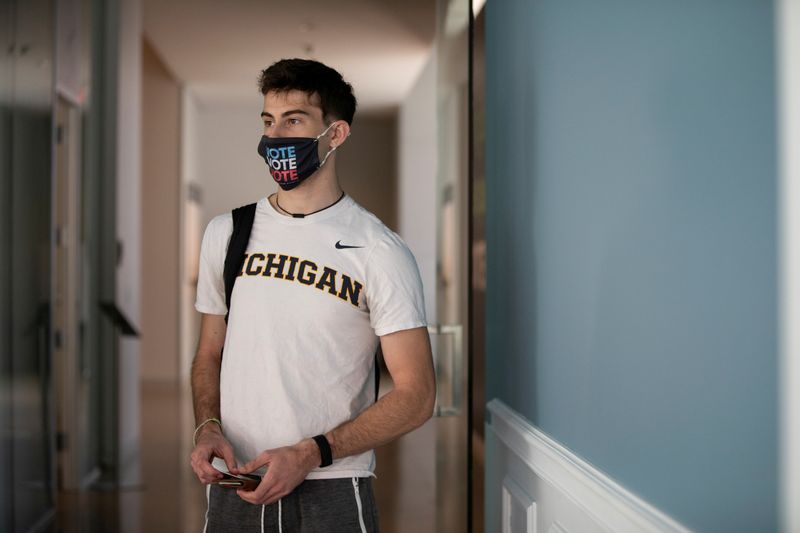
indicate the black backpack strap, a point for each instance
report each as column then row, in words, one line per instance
column 377, row 368
column 242, row 224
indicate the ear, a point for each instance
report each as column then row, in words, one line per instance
column 340, row 132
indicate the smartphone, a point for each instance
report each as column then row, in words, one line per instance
column 247, row 482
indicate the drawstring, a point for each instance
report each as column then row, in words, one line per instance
column 358, row 505
column 208, row 505
column 280, row 518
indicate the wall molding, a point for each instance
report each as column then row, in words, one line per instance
column 613, row 507
column 787, row 48
column 514, row 495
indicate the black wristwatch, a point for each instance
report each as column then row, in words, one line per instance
column 324, row 450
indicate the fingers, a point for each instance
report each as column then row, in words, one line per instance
column 273, row 497
column 255, row 496
column 265, row 488
column 200, row 460
column 270, row 497
column 262, row 459
column 227, row 454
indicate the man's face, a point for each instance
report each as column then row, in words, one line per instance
column 292, row 114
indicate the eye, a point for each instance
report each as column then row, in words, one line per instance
column 294, row 121
column 267, row 123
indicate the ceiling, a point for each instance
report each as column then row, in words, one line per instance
column 219, row 48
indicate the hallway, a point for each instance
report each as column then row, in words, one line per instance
column 603, row 200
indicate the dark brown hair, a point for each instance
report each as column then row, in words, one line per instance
column 335, row 95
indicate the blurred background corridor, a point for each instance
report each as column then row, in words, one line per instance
column 602, row 196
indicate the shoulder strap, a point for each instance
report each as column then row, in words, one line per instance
column 377, row 370
column 242, row 224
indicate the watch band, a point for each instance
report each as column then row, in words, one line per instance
column 324, row 450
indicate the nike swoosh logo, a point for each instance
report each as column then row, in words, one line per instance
column 341, row 246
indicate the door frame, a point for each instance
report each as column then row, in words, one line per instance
column 65, row 289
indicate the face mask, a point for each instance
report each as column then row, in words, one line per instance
column 292, row 159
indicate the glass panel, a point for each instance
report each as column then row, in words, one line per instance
column 452, row 41
column 75, row 312
column 6, row 92
column 29, row 277
column 448, row 358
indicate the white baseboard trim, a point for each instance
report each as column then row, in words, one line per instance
column 610, row 506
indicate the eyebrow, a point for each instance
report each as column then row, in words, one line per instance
column 290, row 112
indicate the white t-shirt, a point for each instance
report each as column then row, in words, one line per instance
column 306, row 311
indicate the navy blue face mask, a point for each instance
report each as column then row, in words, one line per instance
column 292, row 159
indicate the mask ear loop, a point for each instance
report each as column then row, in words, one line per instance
column 329, row 151
column 326, row 129
column 326, row 155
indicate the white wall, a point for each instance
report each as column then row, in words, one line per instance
column 190, row 233
column 160, row 294
column 227, row 166
column 128, row 192
column 367, row 165
column 417, row 163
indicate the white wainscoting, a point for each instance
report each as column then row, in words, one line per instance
column 787, row 38
column 535, row 485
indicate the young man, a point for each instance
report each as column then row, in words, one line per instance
column 324, row 281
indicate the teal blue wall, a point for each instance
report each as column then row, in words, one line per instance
column 631, row 232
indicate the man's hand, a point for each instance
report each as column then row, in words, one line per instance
column 211, row 443
column 287, row 467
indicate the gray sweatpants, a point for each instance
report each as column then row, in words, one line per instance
column 341, row 505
